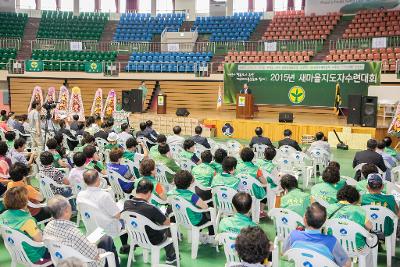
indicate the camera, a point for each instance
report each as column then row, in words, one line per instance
column 49, row 105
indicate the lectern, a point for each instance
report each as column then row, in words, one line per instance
column 161, row 104
column 244, row 106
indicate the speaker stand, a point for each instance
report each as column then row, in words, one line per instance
column 341, row 113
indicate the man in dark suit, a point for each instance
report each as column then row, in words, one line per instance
column 198, row 139
column 287, row 141
column 259, row 139
column 151, row 133
column 369, row 156
column 103, row 132
column 245, row 89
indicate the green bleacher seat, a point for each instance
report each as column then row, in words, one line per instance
column 12, row 24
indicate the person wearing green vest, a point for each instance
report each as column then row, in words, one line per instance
column 58, row 162
column 293, row 198
column 242, row 203
column 93, row 159
column 143, row 87
column 203, row 175
column 188, row 152
column 161, row 139
column 148, row 171
column 112, row 142
column 375, row 197
column 366, row 170
column 183, row 180
column 348, row 208
column 227, row 177
column 164, row 158
column 17, row 217
column 88, row 139
column 269, row 167
column 331, row 184
column 10, row 138
column 219, row 156
column 131, row 150
column 388, row 149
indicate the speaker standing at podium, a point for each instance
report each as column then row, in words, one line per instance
column 245, row 89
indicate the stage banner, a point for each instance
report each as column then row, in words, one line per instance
column 93, row 67
column 33, row 65
column 321, row 7
column 303, row 84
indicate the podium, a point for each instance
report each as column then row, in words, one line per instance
column 161, row 104
column 244, row 106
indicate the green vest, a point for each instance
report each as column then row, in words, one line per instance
column 15, row 219
column 296, row 201
column 129, row 155
column 217, row 167
column 225, row 179
column 235, row 223
column 187, row 154
column 154, row 151
column 56, row 158
column 170, row 163
column 392, row 152
column 349, row 212
column 362, row 187
column 386, row 201
column 268, row 166
column 247, row 168
column 194, row 217
column 203, row 173
column 327, row 191
column 112, row 146
column 154, row 182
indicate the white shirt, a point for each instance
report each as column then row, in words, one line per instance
column 76, row 175
column 175, row 140
column 320, row 144
column 106, row 204
column 123, row 136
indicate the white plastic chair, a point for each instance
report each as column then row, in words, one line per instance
column 180, row 207
column 272, row 192
column 161, row 175
column 305, row 257
column 233, row 147
column 13, row 241
column 60, row 252
column 101, row 143
column 145, row 141
column 198, row 149
column 113, row 178
column 377, row 215
column 246, row 185
column 186, row 164
column 286, row 150
column 285, row 221
column 285, row 164
column 345, row 231
column 40, row 206
column 222, row 199
column 259, row 150
column 176, row 151
column 228, row 242
column 132, row 165
column 320, row 159
column 45, row 184
column 301, row 166
column 349, row 180
column 136, row 227
column 395, row 174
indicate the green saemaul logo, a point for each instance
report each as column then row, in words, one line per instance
column 34, row 64
column 296, row 94
column 93, row 66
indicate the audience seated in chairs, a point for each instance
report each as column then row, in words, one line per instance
column 123, row 170
column 253, row 247
column 148, row 171
column 57, row 159
column 219, row 155
column 188, row 152
column 161, row 140
column 102, row 133
column 74, row 123
column 131, row 149
column 62, row 230
column 327, row 190
column 388, row 149
column 375, row 197
column 72, row 142
column 366, row 170
column 5, row 161
column 19, row 155
column 10, row 138
column 293, row 197
column 18, row 218
column 93, row 159
column 18, row 175
column 140, row 204
column 47, row 160
column 227, row 177
column 125, row 133
column 164, row 157
column 91, row 126
column 288, row 141
column 203, row 175
column 320, row 143
column 267, row 165
column 151, row 134
column 176, row 138
column 142, row 132
column 390, row 162
column 242, row 203
column 369, row 156
column 348, row 207
column 112, row 142
column 183, row 180
column 260, row 139
column 104, row 202
column 314, row 240
column 76, row 173
column 198, row 139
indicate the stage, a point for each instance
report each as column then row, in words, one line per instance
column 305, row 123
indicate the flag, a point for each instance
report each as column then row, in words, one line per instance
column 33, row 65
column 394, row 127
column 219, row 100
column 338, row 100
column 93, row 67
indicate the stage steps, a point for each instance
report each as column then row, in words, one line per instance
column 31, row 29
column 260, row 29
column 109, row 30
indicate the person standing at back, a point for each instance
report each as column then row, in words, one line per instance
column 288, row 141
column 34, row 124
column 260, row 139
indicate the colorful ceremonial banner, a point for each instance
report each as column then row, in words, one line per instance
column 394, row 128
column 320, row 7
column 219, row 99
column 33, row 65
column 110, row 105
column 303, row 84
column 61, row 110
column 76, row 104
column 97, row 106
column 37, row 96
column 93, row 67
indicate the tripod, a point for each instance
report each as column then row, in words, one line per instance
column 46, row 127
